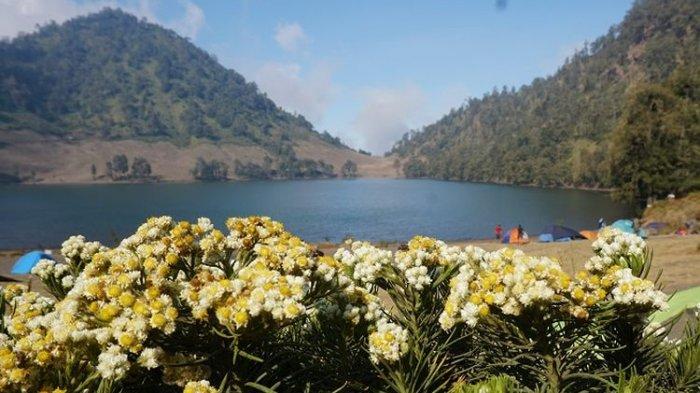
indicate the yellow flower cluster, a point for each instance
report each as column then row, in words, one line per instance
column 508, row 281
column 117, row 308
column 116, row 302
column 271, row 273
column 586, row 291
column 255, row 292
column 27, row 347
column 423, row 256
column 627, row 289
column 388, row 343
column 120, row 297
column 279, row 250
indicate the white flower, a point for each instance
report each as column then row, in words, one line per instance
column 365, row 260
column 150, row 357
column 112, row 364
column 67, row 282
column 388, row 343
column 418, row 277
column 629, row 290
column 613, row 244
column 205, row 224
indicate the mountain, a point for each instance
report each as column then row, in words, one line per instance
column 560, row 130
column 108, row 84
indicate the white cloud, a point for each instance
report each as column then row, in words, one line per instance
column 24, row 15
column 290, row 36
column 191, row 22
column 308, row 93
column 386, row 114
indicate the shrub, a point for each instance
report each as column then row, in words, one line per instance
column 182, row 306
column 118, row 167
column 349, row 169
column 213, row 170
column 140, row 168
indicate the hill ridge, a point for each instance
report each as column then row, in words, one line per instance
column 558, row 131
column 109, row 77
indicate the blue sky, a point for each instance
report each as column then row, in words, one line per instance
column 366, row 71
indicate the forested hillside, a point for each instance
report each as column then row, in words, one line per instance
column 110, row 77
column 560, row 130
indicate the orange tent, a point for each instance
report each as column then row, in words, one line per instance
column 590, row 235
column 512, row 237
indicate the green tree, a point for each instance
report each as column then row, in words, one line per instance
column 349, row 169
column 656, row 145
column 140, row 168
column 118, row 167
column 213, row 170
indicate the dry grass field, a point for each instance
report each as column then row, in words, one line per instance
column 71, row 162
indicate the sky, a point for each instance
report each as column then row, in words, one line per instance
column 365, row 70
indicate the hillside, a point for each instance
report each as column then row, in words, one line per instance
column 108, row 80
column 675, row 214
column 558, row 131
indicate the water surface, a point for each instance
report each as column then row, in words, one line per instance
column 317, row 210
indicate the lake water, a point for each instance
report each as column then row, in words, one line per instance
column 316, row 210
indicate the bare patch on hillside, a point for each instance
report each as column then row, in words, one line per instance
column 53, row 160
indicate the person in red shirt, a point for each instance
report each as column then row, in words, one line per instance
column 498, row 231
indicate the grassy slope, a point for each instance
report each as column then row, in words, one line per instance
column 675, row 212
column 57, row 161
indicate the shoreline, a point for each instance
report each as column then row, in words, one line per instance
column 530, row 185
column 100, row 182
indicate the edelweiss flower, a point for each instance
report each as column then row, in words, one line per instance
column 388, row 343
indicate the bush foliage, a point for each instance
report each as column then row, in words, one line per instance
column 182, row 306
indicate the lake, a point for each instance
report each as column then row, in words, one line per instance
column 316, row 210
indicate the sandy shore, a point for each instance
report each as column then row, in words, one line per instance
column 677, row 257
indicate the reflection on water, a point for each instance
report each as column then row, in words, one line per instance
column 317, row 210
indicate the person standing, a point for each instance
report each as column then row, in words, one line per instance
column 498, row 231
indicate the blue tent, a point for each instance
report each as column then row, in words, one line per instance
column 546, row 238
column 628, row 227
column 27, row 261
column 558, row 233
column 624, row 226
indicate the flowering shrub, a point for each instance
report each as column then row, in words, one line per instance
column 185, row 307
column 388, row 342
